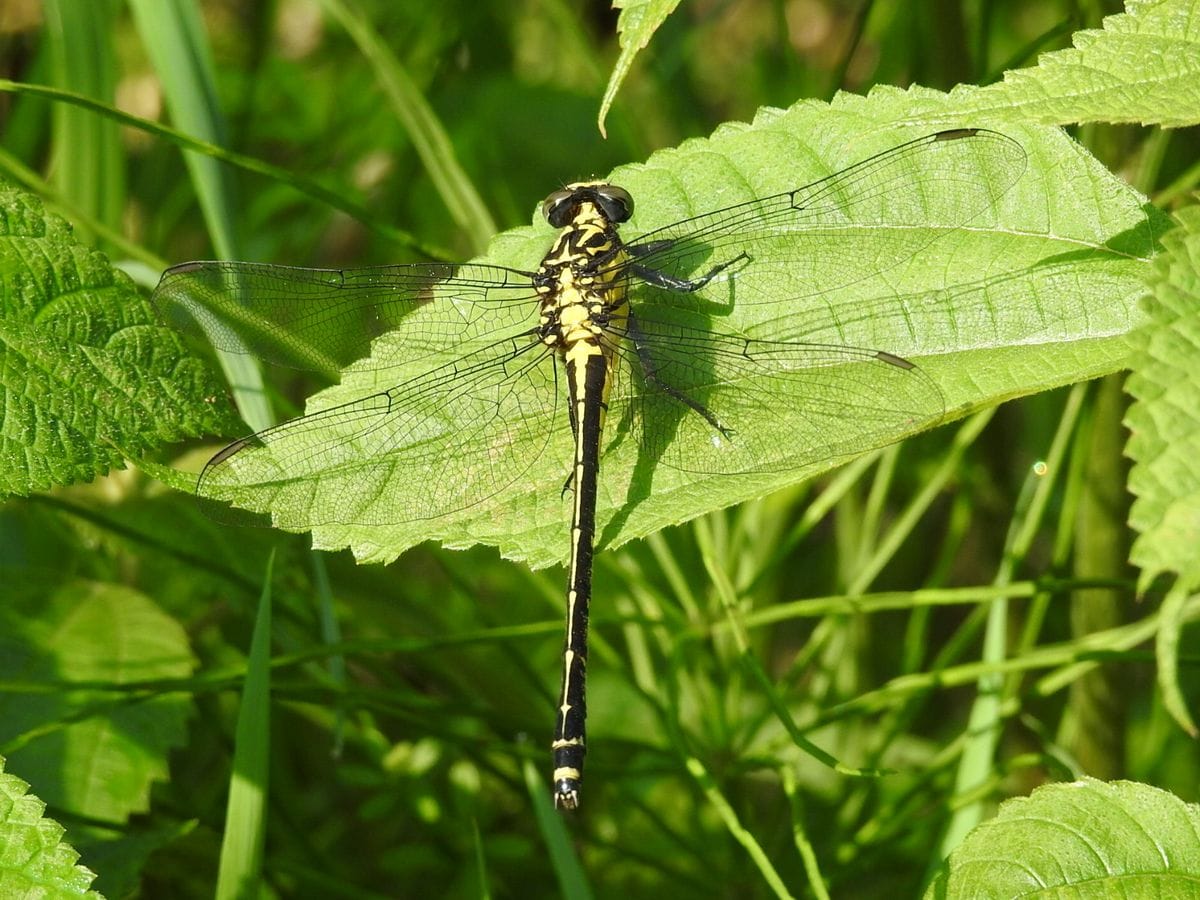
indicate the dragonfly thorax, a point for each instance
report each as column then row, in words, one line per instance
column 578, row 280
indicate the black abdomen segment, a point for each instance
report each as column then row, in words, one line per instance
column 586, row 378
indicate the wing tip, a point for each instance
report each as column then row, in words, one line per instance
column 893, row 360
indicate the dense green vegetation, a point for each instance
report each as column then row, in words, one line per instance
column 815, row 682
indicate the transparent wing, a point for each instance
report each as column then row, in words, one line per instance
column 839, row 230
column 707, row 400
column 324, row 319
column 446, row 440
column 462, row 424
column 711, row 402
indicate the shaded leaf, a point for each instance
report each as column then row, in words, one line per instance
column 119, row 857
column 93, row 752
column 1164, row 442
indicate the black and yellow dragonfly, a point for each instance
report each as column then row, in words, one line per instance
column 622, row 328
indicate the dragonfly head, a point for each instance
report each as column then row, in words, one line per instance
column 565, row 206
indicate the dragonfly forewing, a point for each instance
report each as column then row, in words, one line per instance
column 322, row 320
column 426, row 448
column 845, row 229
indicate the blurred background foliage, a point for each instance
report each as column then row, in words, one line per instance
column 398, row 762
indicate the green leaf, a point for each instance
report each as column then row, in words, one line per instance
column 87, row 375
column 1143, row 66
column 638, row 21
column 91, row 751
column 1164, row 422
column 1038, row 291
column 35, row 862
column 1164, row 443
column 1080, row 840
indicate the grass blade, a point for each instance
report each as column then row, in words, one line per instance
column 428, row 136
column 245, row 822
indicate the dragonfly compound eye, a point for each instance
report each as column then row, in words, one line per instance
column 560, row 207
column 616, row 202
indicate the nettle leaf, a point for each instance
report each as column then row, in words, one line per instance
column 1164, row 423
column 35, row 861
column 1080, row 840
column 1143, row 66
column 88, row 377
column 1037, row 290
column 637, row 23
column 94, row 753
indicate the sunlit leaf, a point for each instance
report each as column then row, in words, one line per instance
column 1086, row 839
column 1037, row 290
column 638, row 21
column 1142, row 66
column 35, row 861
column 1164, row 424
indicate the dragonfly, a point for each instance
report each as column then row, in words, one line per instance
column 508, row 371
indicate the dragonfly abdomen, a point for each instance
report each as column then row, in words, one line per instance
column 582, row 298
column 587, row 376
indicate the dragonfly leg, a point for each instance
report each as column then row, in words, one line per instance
column 570, row 482
column 683, row 285
column 650, row 370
